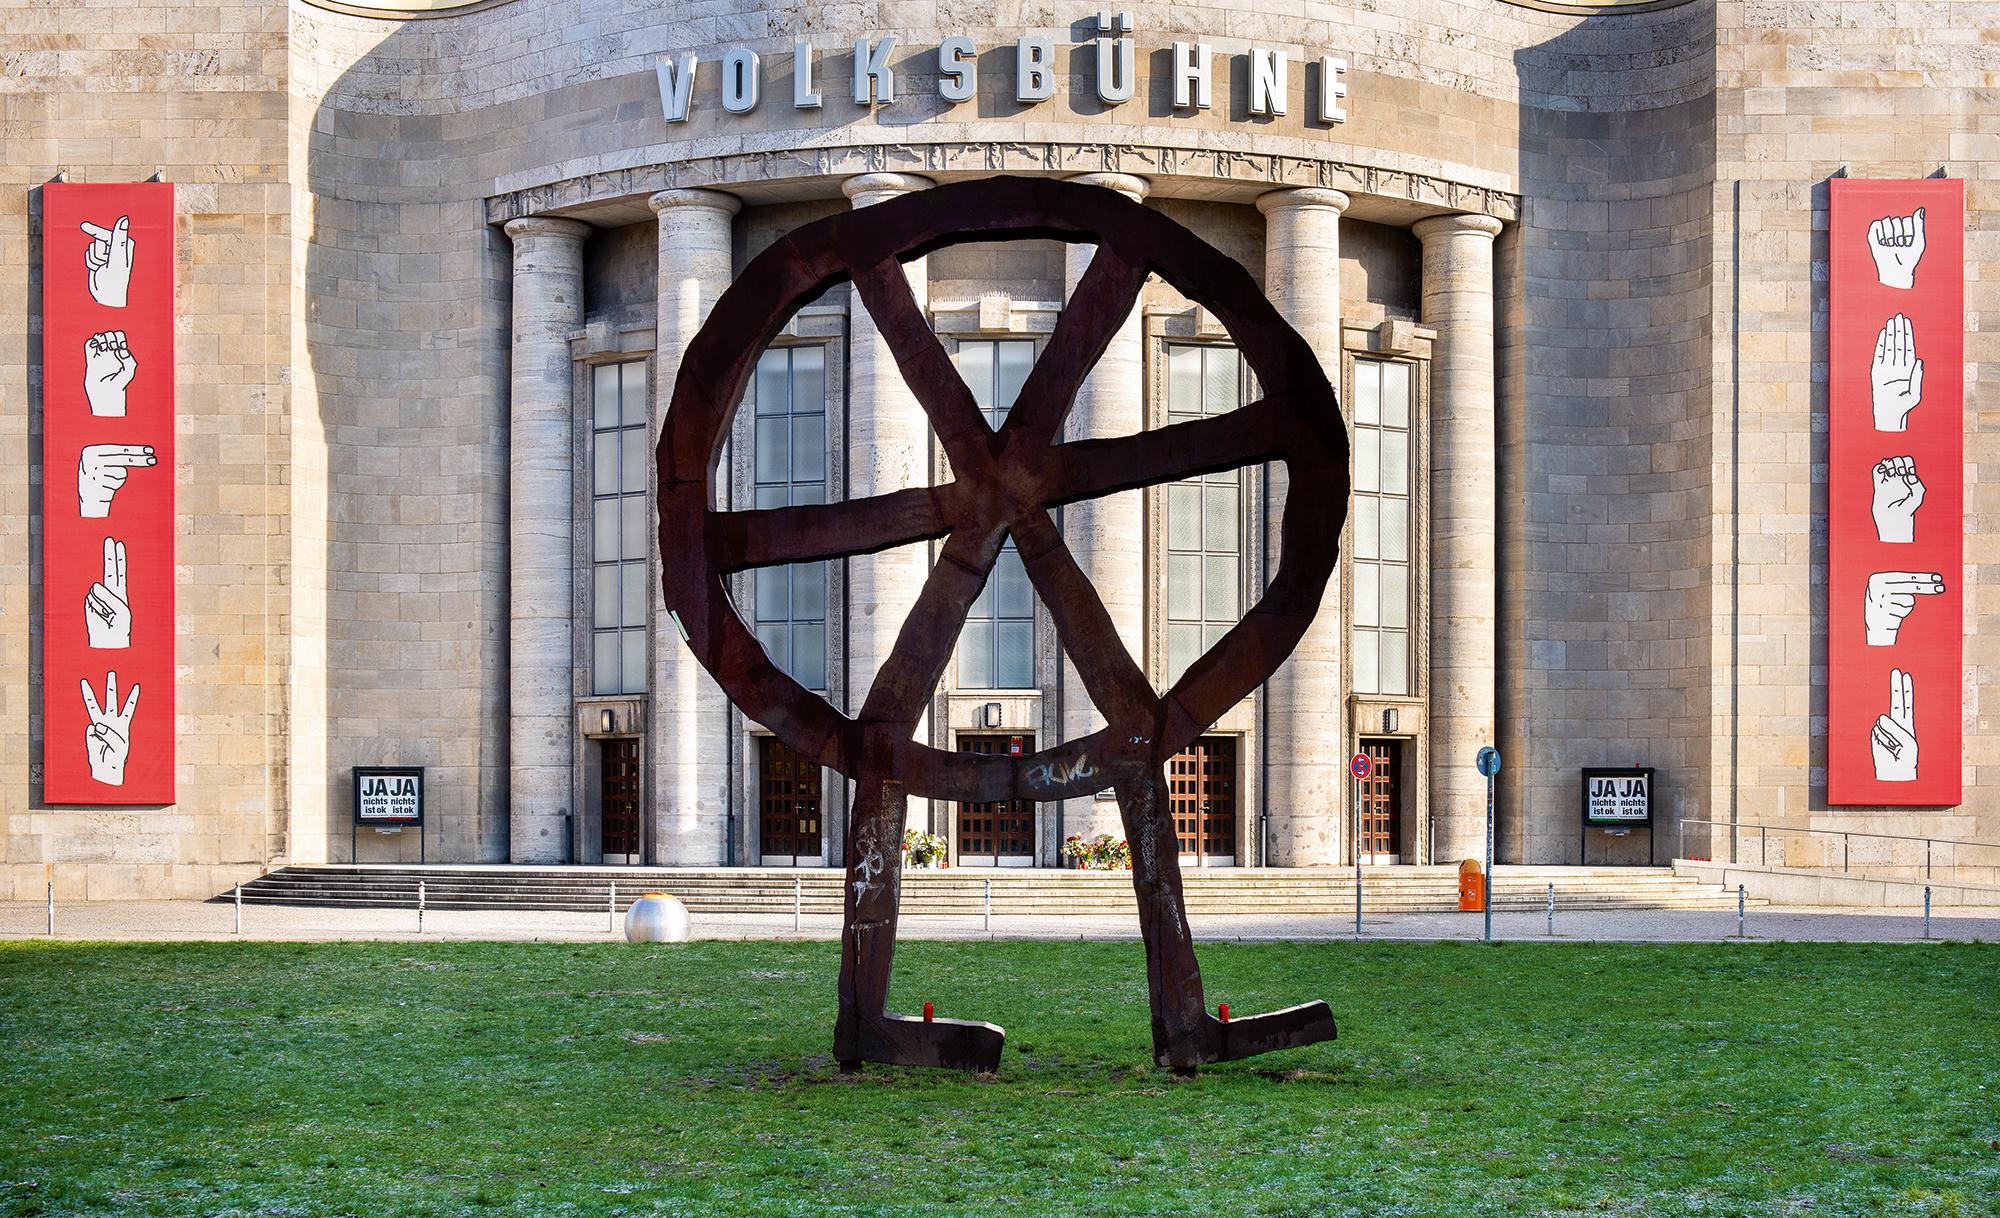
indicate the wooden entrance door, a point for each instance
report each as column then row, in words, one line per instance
column 618, row 800
column 997, row 834
column 1381, row 802
column 788, row 806
column 1201, row 792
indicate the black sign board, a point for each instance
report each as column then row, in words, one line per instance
column 387, row 797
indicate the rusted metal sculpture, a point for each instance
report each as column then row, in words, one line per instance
column 1004, row 482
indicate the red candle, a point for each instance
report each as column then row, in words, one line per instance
column 927, row 1013
column 1221, row 1009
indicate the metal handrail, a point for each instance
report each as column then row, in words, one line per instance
column 1763, row 829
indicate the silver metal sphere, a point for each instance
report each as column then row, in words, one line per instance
column 656, row 918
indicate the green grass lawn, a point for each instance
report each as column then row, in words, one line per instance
column 396, row 1078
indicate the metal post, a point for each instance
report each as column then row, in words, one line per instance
column 1763, row 847
column 1552, row 909
column 611, row 910
column 1843, row 852
column 798, row 901
column 989, row 904
column 1927, row 911
column 1488, row 887
column 420, row 907
column 239, row 908
column 1739, row 911
column 1927, row 858
column 52, row 909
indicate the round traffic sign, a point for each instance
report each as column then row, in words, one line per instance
column 1488, row 761
column 1360, row 766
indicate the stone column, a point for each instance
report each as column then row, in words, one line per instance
column 689, row 721
column 548, row 306
column 1458, row 304
column 1108, row 536
column 1304, row 699
column 888, row 449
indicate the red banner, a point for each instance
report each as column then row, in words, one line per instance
column 1895, row 494
column 108, row 493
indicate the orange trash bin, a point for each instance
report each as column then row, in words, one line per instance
column 1471, row 887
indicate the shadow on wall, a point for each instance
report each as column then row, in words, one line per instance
column 1605, row 354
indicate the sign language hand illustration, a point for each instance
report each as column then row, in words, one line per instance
column 1890, row 597
column 107, row 609
column 1898, row 495
column 108, row 367
column 102, row 469
column 110, row 261
column 1895, row 734
column 1896, row 375
column 108, row 741
column 1897, row 242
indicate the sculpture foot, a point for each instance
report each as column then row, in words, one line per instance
column 905, row 1040
column 1309, row 1023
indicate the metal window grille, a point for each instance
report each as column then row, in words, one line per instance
column 1381, row 610
column 618, row 531
column 788, row 457
column 1204, row 516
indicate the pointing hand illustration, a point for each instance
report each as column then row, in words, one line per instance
column 108, row 367
column 1897, row 242
column 110, row 261
column 1898, row 495
column 1896, row 375
column 1895, row 734
column 102, row 469
column 107, row 609
column 1890, row 597
column 108, row 740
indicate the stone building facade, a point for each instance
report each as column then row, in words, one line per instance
column 440, row 259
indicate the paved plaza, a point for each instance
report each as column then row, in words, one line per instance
column 164, row 920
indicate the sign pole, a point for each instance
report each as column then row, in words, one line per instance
column 1488, row 765
column 1360, row 766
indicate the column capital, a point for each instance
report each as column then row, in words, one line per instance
column 869, row 188
column 1304, row 196
column 1462, row 222
column 547, row 226
column 1132, row 187
column 666, row 200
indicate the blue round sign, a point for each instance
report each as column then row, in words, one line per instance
column 1488, row 761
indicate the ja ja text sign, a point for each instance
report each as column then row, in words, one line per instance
column 1618, row 798
column 1895, row 495
column 387, row 797
column 108, row 492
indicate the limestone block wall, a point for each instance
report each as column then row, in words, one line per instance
column 1893, row 89
column 1604, row 461
column 113, row 92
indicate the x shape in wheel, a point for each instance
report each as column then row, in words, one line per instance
column 1004, row 482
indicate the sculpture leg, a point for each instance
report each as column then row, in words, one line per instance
column 864, row 1030
column 1184, row 1033
column 1173, row 978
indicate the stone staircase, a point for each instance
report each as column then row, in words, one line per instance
column 754, row 890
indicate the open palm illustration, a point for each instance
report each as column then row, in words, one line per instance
column 1895, row 734
column 1890, row 597
column 108, row 367
column 1896, row 243
column 108, row 741
column 109, row 258
column 1896, row 375
column 1898, row 495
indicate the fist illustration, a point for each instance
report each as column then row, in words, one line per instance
column 1895, row 734
column 1890, row 597
column 1897, row 242
column 1898, row 495
column 107, row 609
column 102, row 469
column 109, row 258
column 108, row 367
column 1896, row 375
column 108, row 739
